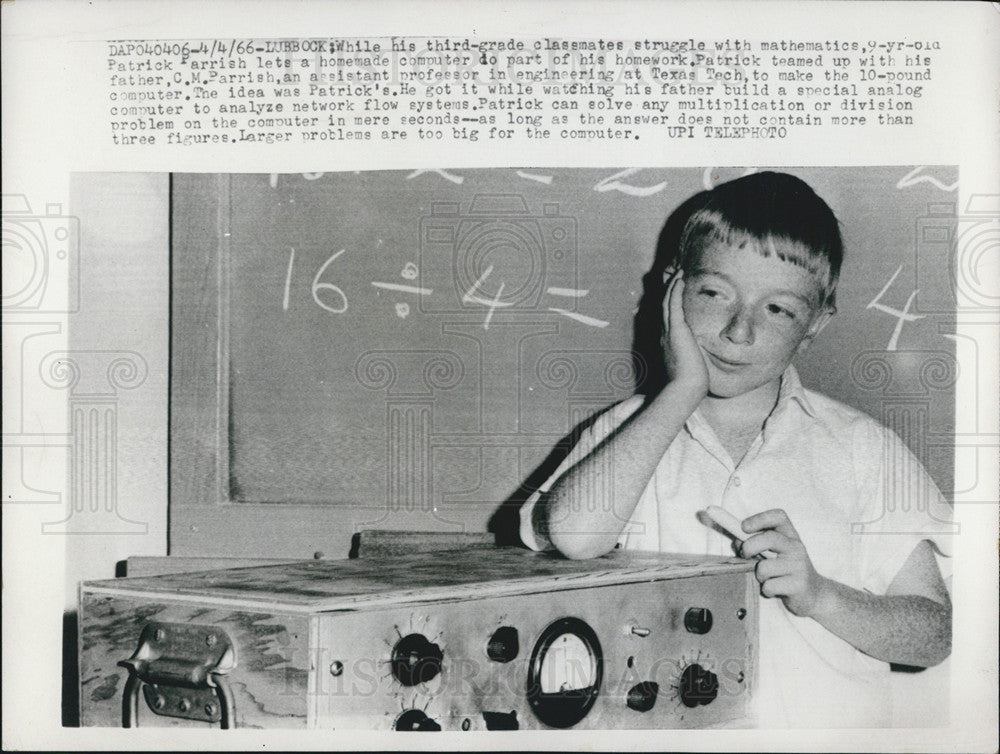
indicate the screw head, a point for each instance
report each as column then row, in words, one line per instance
column 211, row 640
column 466, row 724
column 741, row 613
column 158, row 702
column 210, row 709
column 740, row 677
column 184, row 705
column 160, row 634
column 336, row 667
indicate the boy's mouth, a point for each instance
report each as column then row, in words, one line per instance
column 726, row 364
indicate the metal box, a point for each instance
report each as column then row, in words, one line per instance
column 454, row 640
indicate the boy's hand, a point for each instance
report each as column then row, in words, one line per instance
column 790, row 575
column 684, row 360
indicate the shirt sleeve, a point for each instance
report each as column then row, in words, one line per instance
column 600, row 428
column 900, row 507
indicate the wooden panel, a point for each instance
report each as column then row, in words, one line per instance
column 316, row 586
column 157, row 565
column 269, row 682
column 199, row 381
column 384, row 543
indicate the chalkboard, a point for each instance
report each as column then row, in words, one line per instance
column 416, row 343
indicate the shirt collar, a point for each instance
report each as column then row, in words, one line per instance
column 791, row 390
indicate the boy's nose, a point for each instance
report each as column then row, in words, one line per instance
column 739, row 329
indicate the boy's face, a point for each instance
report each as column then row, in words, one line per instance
column 750, row 315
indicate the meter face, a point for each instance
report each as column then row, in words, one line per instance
column 564, row 674
column 567, row 665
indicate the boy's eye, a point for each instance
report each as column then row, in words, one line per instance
column 780, row 310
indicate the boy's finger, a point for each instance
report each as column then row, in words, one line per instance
column 772, row 568
column 668, row 299
column 775, row 519
column 782, row 586
column 677, row 300
column 759, row 544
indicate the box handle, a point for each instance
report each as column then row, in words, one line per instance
column 182, row 670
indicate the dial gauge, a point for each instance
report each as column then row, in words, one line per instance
column 564, row 674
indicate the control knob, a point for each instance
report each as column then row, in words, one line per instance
column 416, row 720
column 416, row 659
column 698, row 686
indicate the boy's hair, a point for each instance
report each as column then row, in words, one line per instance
column 775, row 214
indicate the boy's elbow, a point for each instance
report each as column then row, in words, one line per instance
column 928, row 658
column 935, row 644
column 939, row 649
column 581, row 545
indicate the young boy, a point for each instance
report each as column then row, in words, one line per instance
column 756, row 270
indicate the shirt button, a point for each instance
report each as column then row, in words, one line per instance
column 736, row 481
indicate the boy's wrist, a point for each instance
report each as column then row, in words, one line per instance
column 826, row 600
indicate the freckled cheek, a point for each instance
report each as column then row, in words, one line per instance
column 705, row 318
column 780, row 343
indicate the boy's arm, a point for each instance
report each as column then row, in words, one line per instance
column 910, row 624
column 570, row 516
column 575, row 521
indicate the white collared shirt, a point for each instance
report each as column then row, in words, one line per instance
column 859, row 500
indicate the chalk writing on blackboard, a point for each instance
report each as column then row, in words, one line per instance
column 403, row 288
column 318, row 286
column 709, row 178
column 614, row 183
column 546, row 179
column 288, row 280
column 474, row 295
column 272, row 178
column 917, row 175
column 443, row 173
column 592, row 321
column 471, row 298
column 902, row 316
column 567, row 292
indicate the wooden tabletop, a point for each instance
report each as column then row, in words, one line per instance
column 312, row 586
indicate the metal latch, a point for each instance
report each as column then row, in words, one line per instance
column 182, row 670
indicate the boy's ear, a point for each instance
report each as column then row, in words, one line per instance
column 816, row 327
